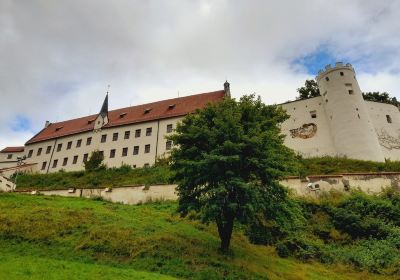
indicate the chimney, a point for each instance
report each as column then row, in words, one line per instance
column 46, row 124
column 227, row 89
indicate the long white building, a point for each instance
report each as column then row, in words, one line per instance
column 337, row 123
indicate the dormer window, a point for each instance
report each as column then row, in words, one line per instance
column 147, row 110
column 58, row 128
column 122, row 115
column 171, row 106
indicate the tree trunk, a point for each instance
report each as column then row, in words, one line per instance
column 225, row 228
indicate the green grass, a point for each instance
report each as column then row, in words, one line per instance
column 102, row 178
column 72, row 238
column 162, row 174
column 336, row 165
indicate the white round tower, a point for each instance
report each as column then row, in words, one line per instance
column 351, row 128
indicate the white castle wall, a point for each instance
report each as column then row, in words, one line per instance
column 351, row 128
column 345, row 124
column 303, row 139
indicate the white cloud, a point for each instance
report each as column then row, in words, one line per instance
column 58, row 57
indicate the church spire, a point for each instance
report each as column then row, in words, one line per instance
column 104, row 108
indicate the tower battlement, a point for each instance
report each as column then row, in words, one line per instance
column 329, row 68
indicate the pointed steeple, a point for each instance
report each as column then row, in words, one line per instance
column 104, row 108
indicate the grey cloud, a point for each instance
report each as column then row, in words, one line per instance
column 57, row 57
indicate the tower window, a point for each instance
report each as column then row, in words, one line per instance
column 341, row 74
column 326, row 100
column 351, row 91
column 389, row 118
column 327, row 79
column 358, row 116
column 313, row 114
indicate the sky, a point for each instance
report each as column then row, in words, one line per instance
column 57, row 58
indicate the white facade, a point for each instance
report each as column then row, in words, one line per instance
column 340, row 122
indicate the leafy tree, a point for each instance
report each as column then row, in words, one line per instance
column 309, row 90
column 95, row 161
column 382, row 97
column 228, row 158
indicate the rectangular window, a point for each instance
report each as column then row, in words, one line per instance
column 75, row 160
column 115, row 136
column 85, row 157
column 48, row 149
column 88, row 141
column 168, row 145
column 148, row 131
column 65, row 161
column 9, row 156
column 59, row 146
column 103, row 138
column 341, row 74
column 136, row 150
column 78, row 143
column 137, row 133
column 55, row 163
column 30, row 153
column 69, row 145
column 112, row 153
column 351, row 91
column 39, row 152
column 147, row 149
column 124, row 152
column 44, row 165
column 127, row 134
column 146, row 165
column 313, row 114
column 102, row 153
column 388, row 118
column 169, row 128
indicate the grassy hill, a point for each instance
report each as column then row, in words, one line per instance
column 125, row 175
column 71, row 238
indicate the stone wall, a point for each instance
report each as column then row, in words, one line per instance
column 127, row 195
column 366, row 182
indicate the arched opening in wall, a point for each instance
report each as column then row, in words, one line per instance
column 327, row 79
column 358, row 116
column 388, row 118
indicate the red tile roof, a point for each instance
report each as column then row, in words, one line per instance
column 157, row 110
column 12, row 150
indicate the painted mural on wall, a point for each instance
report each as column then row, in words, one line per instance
column 305, row 131
column 388, row 141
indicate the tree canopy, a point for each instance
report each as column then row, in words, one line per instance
column 228, row 158
column 95, row 161
column 382, row 97
column 310, row 89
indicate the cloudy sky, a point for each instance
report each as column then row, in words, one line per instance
column 57, row 57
